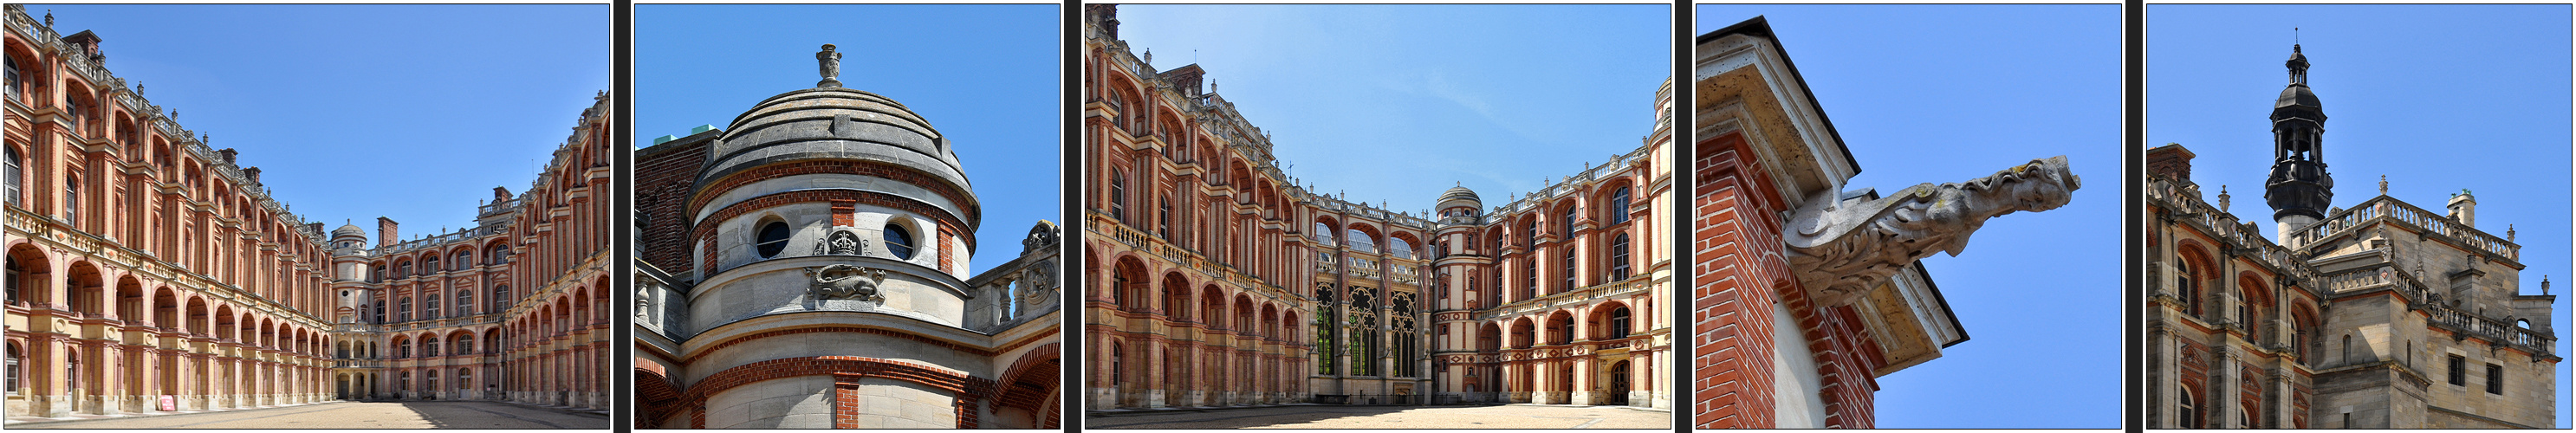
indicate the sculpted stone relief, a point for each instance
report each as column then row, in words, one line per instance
column 842, row 242
column 1841, row 245
column 845, row 282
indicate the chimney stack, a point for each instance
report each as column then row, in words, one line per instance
column 2464, row 208
column 386, row 231
column 228, row 154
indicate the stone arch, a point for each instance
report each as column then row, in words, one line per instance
column 1604, row 318
column 1560, row 327
column 1175, row 295
column 35, row 273
column 1030, row 385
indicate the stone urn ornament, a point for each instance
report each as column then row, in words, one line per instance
column 830, row 60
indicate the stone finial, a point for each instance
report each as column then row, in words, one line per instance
column 2383, row 184
column 138, row 88
column 2508, row 233
column 1149, row 57
column 2222, row 198
column 830, row 60
column 49, row 18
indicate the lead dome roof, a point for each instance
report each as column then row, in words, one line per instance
column 836, row 123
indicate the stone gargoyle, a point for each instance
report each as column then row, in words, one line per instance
column 1842, row 244
column 845, row 282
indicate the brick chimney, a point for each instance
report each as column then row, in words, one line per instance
column 227, row 154
column 2170, row 160
column 386, row 233
column 253, row 173
column 314, row 228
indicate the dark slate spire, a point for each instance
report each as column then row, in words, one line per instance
column 2299, row 185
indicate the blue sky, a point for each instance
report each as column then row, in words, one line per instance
column 354, row 112
column 1396, row 104
column 987, row 76
column 2481, row 104
column 1954, row 92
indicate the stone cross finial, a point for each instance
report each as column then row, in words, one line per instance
column 2383, row 184
column 830, row 60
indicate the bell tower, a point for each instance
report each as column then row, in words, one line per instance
column 2299, row 189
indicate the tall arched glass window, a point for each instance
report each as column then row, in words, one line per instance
column 1619, row 206
column 430, row 265
column 1569, row 269
column 898, row 241
column 2190, row 415
column 464, row 259
column 501, row 297
column 17, row 171
column 15, row 369
column 1118, row 195
column 1619, row 323
column 1619, row 257
column 1323, row 232
column 1360, row 240
column 429, row 347
column 2184, row 288
column 771, row 239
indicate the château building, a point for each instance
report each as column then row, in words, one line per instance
column 807, row 267
column 1215, row 280
column 2374, row 316
column 148, row 272
column 1805, row 292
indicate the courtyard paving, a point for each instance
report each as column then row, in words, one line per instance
column 353, row 415
column 1517, row 416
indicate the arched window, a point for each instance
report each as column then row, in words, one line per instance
column 1531, row 291
column 1401, row 249
column 1360, row 240
column 1118, row 195
column 1619, row 257
column 15, row 86
column 772, row 239
column 1619, row 323
column 2189, row 412
column 1323, row 232
column 17, row 282
column 1566, row 225
column 2347, row 349
column 16, row 370
column 1163, row 218
column 464, row 259
column 429, row 265
column 499, row 255
column 1569, row 269
column 898, row 241
column 464, row 345
column 2184, row 288
column 1619, row 206
column 71, row 200
column 429, row 347
column 402, row 270
column 464, row 377
column 16, row 172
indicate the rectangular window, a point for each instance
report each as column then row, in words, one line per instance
column 2459, row 370
column 2495, row 379
column 1163, row 220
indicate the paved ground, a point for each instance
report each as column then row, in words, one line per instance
column 432, row 414
column 1518, row 416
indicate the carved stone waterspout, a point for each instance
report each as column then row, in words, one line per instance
column 1841, row 244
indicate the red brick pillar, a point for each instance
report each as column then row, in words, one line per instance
column 1737, row 267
